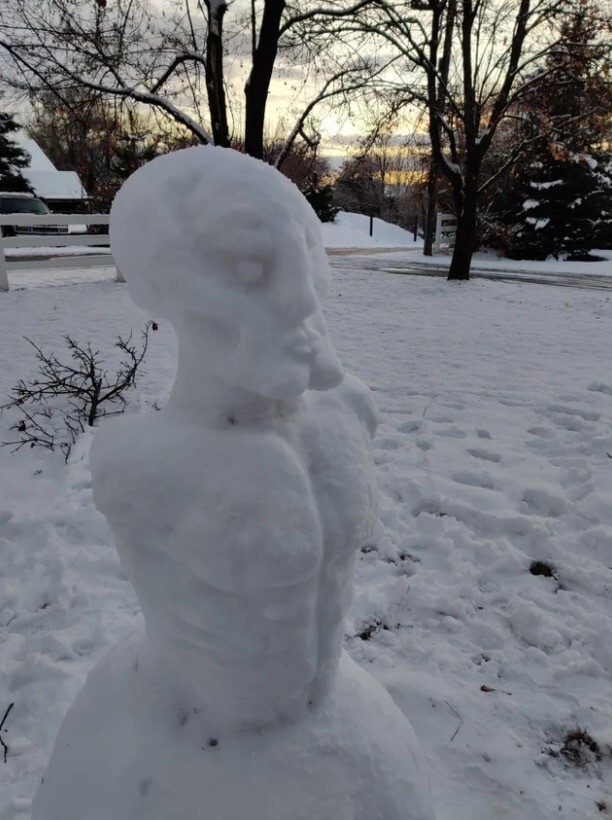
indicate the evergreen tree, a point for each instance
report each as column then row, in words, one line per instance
column 12, row 157
column 321, row 198
column 562, row 195
column 566, row 210
column 603, row 223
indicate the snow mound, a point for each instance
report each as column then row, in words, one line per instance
column 353, row 231
column 129, row 756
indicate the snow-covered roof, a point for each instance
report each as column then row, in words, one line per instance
column 55, row 184
column 46, row 180
column 39, row 161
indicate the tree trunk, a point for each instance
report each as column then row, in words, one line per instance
column 465, row 239
column 432, row 202
column 214, row 75
column 258, row 85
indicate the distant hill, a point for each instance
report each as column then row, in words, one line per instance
column 353, row 231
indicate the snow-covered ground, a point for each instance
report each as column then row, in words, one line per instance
column 68, row 250
column 490, row 261
column 494, row 451
column 353, row 231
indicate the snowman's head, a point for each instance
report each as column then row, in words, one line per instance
column 210, row 237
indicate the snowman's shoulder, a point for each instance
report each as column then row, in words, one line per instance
column 353, row 397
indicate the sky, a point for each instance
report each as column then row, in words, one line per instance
column 293, row 86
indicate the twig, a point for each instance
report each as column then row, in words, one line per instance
column 55, row 406
column 455, row 712
column 485, row 688
column 6, row 714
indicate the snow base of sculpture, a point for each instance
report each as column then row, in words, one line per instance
column 133, row 754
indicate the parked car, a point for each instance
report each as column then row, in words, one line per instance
column 17, row 203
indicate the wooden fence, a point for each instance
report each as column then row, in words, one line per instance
column 95, row 241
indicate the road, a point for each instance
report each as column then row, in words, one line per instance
column 375, row 260
column 364, row 261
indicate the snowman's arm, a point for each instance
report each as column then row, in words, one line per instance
column 359, row 398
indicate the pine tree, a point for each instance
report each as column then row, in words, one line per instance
column 12, row 158
column 562, row 195
column 321, row 198
column 603, row 201
column 566, row 209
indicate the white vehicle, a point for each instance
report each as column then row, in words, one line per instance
column 18, row 203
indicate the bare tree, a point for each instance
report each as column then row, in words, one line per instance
column 383, row 178
column 103, row 139
column 476, row 58
column 172, row 58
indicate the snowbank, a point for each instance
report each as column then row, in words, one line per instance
column 353, row 231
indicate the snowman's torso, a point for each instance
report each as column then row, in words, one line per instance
column 240, row 541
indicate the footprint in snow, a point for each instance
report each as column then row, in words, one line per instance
column 410, row 427
column 440, row 419
column 484, row 455
column 541, row 432
column 573, row 419
column 451, row 432
column 388, row 443
column 566, row 410
column 424, row 445
column 472, row 480
column 428, row 507
column 599, row 387
column 540, row 502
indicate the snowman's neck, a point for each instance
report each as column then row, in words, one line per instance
column 200, row 390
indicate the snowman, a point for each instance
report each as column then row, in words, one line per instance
column 238, row 511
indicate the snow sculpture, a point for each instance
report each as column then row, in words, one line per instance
column 238, row 511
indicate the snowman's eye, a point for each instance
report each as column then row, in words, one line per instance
column 249, row 271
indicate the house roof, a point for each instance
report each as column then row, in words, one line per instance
column 55, row 184
column 46, row 180
column 39, row 161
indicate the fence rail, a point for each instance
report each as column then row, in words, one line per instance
column 64, row 240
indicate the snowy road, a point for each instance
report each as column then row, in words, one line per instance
column 398, row 261
column 569, row 280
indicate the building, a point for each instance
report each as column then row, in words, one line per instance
column 61, row 190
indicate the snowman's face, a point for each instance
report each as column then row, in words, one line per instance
column 264, row 275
